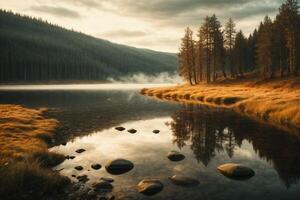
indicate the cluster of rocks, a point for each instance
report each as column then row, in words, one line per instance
column 153, row 186
column 133, row 131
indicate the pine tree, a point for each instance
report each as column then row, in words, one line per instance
column 207, row 46
column 230, row 40
column 264, row 48
column 186, row 57
column 288, row 15
column 240, row 53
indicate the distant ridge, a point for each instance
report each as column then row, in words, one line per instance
column 34, row 50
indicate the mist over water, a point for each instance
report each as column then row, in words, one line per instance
column 164, row 77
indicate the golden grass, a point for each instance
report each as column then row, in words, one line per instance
column 21, row 130
column 24, row 156
column 276, row 101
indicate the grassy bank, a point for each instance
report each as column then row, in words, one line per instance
column 25, row 161
column 275, row 101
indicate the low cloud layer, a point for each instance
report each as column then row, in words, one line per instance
column 143, row 78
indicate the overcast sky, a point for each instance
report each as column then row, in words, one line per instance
column 153, row 24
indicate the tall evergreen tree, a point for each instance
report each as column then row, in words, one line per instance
column 230, row 32
column 264, row 48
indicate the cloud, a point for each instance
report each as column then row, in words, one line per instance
column 57, row 11
column 179, row 12
column 122, row 33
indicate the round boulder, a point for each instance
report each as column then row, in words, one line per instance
column 150, row 187
column 83, row 178
column 79, row 168
column 120, row 128
column 96, row 166
column 132, row 131
column 103, row 186
column 156, row 131
column 80, row 150
column 119, row 166
column 175, row 156
column 236, row 171
column 184, row 180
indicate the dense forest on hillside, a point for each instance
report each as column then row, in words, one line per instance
column 34, row 50
column 273, row 49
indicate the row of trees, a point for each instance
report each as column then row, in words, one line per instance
column 35, row 50
column 216, row 52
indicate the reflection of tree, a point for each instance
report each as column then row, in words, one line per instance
column 211, row 131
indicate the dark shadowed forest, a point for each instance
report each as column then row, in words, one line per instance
column 35, row 50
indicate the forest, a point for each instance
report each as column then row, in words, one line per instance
column 35, row 50
column 272, row 50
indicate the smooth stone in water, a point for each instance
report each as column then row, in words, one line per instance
column 175, row 156
column 83, row 178
column 110, row 180
column 79, row 168
column 119, row 166
column 103, row 185
column 132, row 131
column 184, row 180
column 236, row 171
column 96, row 166
column 120, row 128
column 156, row 131
column 80, row 150
column 150, row 187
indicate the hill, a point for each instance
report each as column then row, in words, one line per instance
column 35, row 50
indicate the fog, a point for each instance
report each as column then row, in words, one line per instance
column 141, row 78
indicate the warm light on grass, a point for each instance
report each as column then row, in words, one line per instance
column 24, row 155
column 276, row 101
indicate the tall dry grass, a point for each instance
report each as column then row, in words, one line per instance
column 276, row 101
column 24, row 157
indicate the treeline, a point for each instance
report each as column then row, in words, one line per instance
column 273, row 49
column 35, row 50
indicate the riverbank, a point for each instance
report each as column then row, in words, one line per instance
column 276, row 101
column 25, row 162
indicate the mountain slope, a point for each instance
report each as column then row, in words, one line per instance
column 33, row 50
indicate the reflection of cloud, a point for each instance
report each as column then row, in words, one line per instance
column 121, row 33
column 57, row 11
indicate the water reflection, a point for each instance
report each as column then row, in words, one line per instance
column 212, row 131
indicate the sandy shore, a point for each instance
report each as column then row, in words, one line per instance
column 276, row 102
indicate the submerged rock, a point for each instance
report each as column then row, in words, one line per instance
column 156, row 131
column 83, row 178
column 103, row 186
column 175, row 156
column 132, row 131
column 236, row 171
column 79, row 168
column 120, row 128
column 150, row 187
column 69, row 157
column 80, row 150
column 110, row 180
column 96, row 166
column 119, row 166
column 184, row 180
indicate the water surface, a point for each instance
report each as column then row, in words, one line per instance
column 207, row 137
